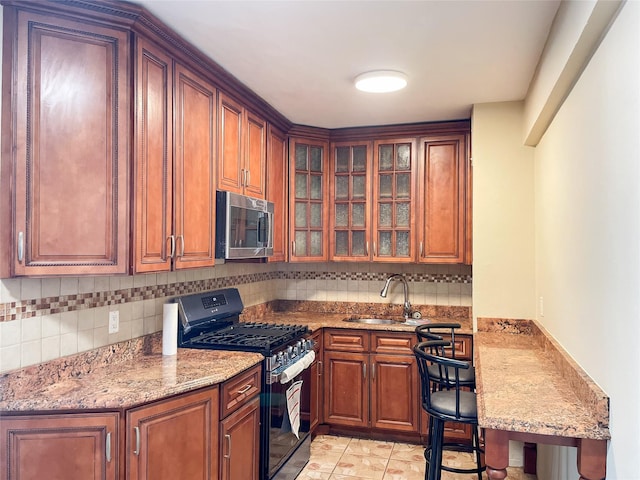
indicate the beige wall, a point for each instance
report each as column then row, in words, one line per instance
column 587, row 180
column 503, row 207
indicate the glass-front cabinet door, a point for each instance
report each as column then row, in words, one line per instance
column 394, row 194
column 350, row 206
column 309, row 200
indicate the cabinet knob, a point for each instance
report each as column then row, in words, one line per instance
column 108, row 447
column 172, row 239
column 20, row 246
column 228, row 439
column 137, row 432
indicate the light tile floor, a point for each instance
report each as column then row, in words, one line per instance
column 344, row 458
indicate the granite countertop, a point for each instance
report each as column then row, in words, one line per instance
column 118, row 377
column 135, row 372
column 527, row 383
column 316, row 321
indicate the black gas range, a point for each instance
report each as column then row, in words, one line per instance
column 211, row 320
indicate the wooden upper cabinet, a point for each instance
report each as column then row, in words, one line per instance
column 443, row 199
column 194, row 191
column 174, row 190
column 394, row 200
column 153, row 163
column 242, row 150
column 308, row 208
column 350, row 201
column 277, row 191
column 66, row 135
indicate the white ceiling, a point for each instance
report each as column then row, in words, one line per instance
column 301, row 56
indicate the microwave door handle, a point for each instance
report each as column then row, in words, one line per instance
column 260, row 232
column 270, row 230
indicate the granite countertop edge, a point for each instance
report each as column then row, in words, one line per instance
column 134, row 372
column 556, row 398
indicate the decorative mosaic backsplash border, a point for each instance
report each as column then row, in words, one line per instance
column 375, row 277
column 65, row 303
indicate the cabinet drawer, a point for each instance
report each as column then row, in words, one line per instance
column 464, row 347
column 238, row 390
column 346, row 340
column 385, row 342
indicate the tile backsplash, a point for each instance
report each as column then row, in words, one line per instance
column 49, row 318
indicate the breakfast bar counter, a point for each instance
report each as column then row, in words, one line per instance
column 530, row 389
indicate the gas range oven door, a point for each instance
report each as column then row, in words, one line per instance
column 286, row 409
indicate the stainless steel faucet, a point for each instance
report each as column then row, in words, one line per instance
column 405, row 286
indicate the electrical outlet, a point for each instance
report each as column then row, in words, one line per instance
column 541, row 306
column 114, row 321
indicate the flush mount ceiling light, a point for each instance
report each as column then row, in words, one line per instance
column 381, row 81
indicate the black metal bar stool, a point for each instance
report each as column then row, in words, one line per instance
column 447, row 332
column 444, row 399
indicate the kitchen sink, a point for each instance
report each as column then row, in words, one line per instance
column 371, row 321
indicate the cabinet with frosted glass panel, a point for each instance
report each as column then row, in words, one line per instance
column 394, row 200
column 372, row 189
column 309, row 200
column 350, row 185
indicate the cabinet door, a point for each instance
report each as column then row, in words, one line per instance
column 394, row 200
column 194, row 210
column 230, row 165
column 308, row 209
column 394, row 393
column 442, row 200
column 277, row 191
column 350, row 201
column 255, row 155
column 60, row 447
column 176, row 438
column 240, row 443
column 70, row 102
column 153, row 162
column 346, row 389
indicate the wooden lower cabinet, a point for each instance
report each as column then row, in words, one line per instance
column 176, row 438
column 371, row 390
column 239, row 449
column 59, row 447
column 240, row 443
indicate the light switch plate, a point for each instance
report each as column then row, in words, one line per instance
column 114, row 321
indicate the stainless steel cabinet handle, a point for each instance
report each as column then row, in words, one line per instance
column 172, row 239
column 245, row 389
column 293, row 248
column 421, row 249
column 247, row 177
column 373, row 371
column 228, row 438
column 137, row 450
column 20, row 246
column 364, row 370
column 181, row 237
column 320, row 367
column 108, row 447
column 375, row 250
column 366, row 249
column 243, row 176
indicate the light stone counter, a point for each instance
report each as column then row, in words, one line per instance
column 118, row 376
column 135, row 372
column 530, row 389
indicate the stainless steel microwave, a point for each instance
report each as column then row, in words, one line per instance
column 244, row 226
